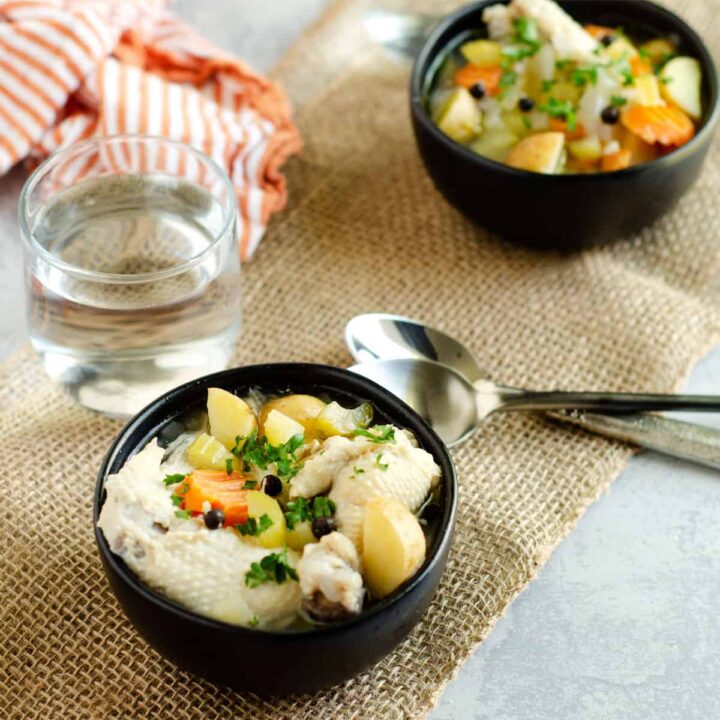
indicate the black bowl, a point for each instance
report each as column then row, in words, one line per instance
column 276, row 662
column 565, row 212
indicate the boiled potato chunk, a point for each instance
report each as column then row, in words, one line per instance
column 657, row 50
column 648, row 91
column 337, row 420
column 620, row 49
column 681, row 82
column 494, row 144
column 459, row 116
column 301, row 408
column 300, row 536
column 229, row 417
column 280, row 428
column 260, row 504
column 588, row 149
column 542, row 153
column 393, row 545
column 482, row 53
column 207, row 453
column 640, row 150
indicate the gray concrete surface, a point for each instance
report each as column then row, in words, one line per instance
column 623, row 622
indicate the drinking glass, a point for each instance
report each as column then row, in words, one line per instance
column 132, row 269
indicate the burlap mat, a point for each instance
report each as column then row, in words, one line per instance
column 364, row 231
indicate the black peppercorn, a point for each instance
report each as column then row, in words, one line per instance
column 323, row 526
column 272, row 485
column 526, row 104
column 607, row 40
column 610, row 115
column 477, row 91
column 214, row 519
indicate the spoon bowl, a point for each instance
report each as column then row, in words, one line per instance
column 380, row 336
column 438, row 393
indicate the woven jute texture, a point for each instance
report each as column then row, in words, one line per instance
column 365, row 231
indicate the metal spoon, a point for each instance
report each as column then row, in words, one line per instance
column 402, row 34
column 455, row 406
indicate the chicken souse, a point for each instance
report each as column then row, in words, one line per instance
column 538, row 91
column 277, row 512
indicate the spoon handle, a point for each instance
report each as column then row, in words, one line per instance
column 602, row 401
column 685, row 440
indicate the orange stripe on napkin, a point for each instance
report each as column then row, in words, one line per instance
column 71, row 69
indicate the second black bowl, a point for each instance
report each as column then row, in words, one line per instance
column 565, row 212
column 276, row 662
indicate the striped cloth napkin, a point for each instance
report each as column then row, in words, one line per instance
column 73, row 69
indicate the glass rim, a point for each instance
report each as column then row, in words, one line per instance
column 31, row 242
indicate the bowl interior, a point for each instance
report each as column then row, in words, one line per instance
column 167, row 417
column 640, row 19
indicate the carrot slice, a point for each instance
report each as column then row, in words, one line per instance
column 639, row 66
column 470, row 75
column 616, row 161
column 664, row 124
column 599, row 31
column 560, row 125
column 223, row 492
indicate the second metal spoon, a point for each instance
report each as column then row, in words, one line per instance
column 428, row 389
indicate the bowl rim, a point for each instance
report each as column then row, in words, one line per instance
column 428, row 52
column 331, row 376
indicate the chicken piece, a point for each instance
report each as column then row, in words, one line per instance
column 498, row 19
column 570, row 39
column 202, row 569
column 321, row 467
column 396, row 470
column 330, row 580
column 356, row 470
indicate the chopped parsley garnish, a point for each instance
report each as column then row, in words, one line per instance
column 255, row 527
column 379, row 463
column 323, row 507
column 378, row 434
column 526, row 43
column 643, row 53
column 176, row 500
column 254, row 621
column 618, row 101
column 298, row 511
column 250, row 485
column 172, row 479
column 584, row 75
column 562, row 109
column 526, row 30
column 261, row 453
column 508, row 78
column 358, row 470
column 272, row 568
column 518, row 52
column 547, row 85
column 562, row 64
column 527, row 122
column 184, row 514
column 628, row 78
column 303, row 510
column 229, row 466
